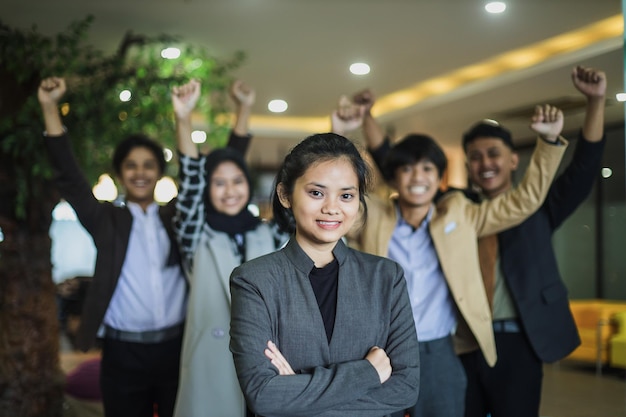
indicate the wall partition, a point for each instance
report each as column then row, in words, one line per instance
column 591, row 244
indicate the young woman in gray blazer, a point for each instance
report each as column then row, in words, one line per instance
column 317, row 328
column 216, row 232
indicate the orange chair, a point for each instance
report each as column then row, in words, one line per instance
column 596, row 328
column 618, row 341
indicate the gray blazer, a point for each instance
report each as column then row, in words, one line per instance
column 272, row 299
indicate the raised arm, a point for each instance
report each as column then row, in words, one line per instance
column 243, row 96
column 355, row 113
column 184, row 100
column 513, row 207
column 189, row 218
column 50, row 92
column 346, row 118
column 592, row 84
column 573, row 186
column 69, row 179
column 372, row 131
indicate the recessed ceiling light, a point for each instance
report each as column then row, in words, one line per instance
column 277, row 106
column 620, row 97
column 495, row 7
column 359, row 68
column 607, row 172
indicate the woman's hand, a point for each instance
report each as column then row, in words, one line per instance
column 380, row 361
column 278, row 360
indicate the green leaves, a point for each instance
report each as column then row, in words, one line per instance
column 94, row 114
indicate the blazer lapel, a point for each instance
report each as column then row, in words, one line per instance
column 259, row 242
column 122, row 236
column 220, row 246
column 386, row 226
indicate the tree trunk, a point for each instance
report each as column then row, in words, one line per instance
column 31, row 381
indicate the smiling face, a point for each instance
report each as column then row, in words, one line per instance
column 490, row 163
column 325, row 204
column 229, row 189
column 138, row 174
column 417, row 184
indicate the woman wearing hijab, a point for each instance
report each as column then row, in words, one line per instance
column 216, row 234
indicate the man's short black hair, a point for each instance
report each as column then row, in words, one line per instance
column 411, row 150
column 487, row 128
column 137, row 141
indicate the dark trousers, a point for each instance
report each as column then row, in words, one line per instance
column 138, row 378
column 442, row 381
column 512, row 388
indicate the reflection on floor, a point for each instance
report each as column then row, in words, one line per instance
column 574, row 390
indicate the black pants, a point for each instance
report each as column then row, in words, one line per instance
column 512, row 388
column 137, row 378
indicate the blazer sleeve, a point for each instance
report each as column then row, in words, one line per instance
column 573, row 186
column 71, row 182
column 379, row 154
column 516, row 205
column 239, row 143
column 332, row 389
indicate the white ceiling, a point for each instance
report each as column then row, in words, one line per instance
column 300, row 50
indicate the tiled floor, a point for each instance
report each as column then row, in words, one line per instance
column 569, row 389
column 574, row 390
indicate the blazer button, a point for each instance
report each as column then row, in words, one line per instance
column 218, row 333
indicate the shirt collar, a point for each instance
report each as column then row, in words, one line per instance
column 402, row 224
column 136, row 209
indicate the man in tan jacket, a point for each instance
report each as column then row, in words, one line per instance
column 436, row 244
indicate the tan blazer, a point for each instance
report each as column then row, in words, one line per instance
column 455, row 227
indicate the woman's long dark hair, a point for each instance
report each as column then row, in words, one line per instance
column 316, row 148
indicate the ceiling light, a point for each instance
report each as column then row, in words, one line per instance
column 606, row 172
column 170, row 53
column 359, row 68
column 495, row 7
column 620, row 97
column 277, row 106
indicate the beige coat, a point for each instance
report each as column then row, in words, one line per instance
column 455, row 227
column 208, row 384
